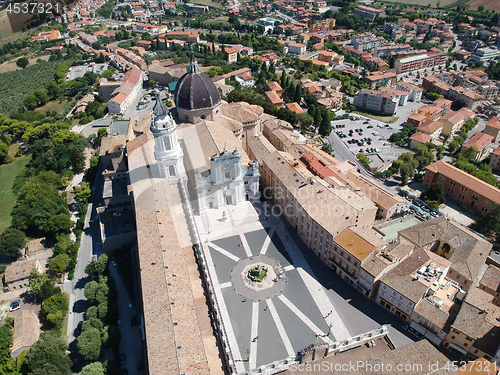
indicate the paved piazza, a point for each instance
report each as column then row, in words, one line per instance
column 271, row 322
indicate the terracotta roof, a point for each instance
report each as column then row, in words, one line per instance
column 491, row 278
column 378, row 194
column 294, row 107
column 421, row 137
column 430, row 127
column 119, row 98
column 273, row 97
column 479, row 186
column 274, row 86
column 470, row 250
column 401, row 280
column 354, row 244
column 480, row 140
column 494, row 122
column 497, row 151
column 26, row 331
column 20, row 270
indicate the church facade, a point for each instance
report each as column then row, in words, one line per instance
column 227, row 177
column 228, row 181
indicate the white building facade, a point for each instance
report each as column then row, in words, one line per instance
column 168, row 152
column 227, row 182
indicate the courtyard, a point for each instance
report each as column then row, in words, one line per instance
column 290, row 308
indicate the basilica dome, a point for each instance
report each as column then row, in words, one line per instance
column 195, row 90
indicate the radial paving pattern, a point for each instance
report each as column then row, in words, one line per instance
column 279, row 320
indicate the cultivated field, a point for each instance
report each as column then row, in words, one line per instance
column 487, row 4
column 9, row 66
column 433, row 3
column 6, row 34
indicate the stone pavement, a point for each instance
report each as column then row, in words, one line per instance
column 270, row 324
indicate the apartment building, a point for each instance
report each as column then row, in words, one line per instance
column 495, row 160
column 414, row 92
column 402, row 288
column 432, row 128
column 366, row 41
column 386, row 78
column 317, row 211
column 493, row 128
column 125, row 94
column 485, row 54
column 413, row 63
column 296, row 48
column 453, row 120
column 350, row 248
column 468, row 98
column 466, row 250
column 365, row 12
column 462, row 186
column 377, row 101
column 482, row 143
column 475, row 332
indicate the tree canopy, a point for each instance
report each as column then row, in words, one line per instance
column 48, row 356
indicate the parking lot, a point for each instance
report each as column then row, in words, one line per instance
column 368, row 136
column 79, row 71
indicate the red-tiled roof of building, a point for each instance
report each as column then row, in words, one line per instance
column 494, row 122
column 473, row 183
column 295, row 107
column 479, row 140
column 420, row 137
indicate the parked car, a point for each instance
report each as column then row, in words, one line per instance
column 15, row 305
column 119, row 322
column 130, row 306
column 123, row 359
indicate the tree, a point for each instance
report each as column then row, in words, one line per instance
column 48, row 356
column 77, row 160
column 434, row 193
column 440, row 151
column 446, row 136
column 453, row 146
column 102, row 132
column 83, row 192
column 298, row 93
column 89, row 344
column 471, row 152
column 407, row 171
column 11, row 241
column 53, row 90
column 363, row 159
column 325, row 127
column 59, row 264
column 23, row 62
column 489, row 223
column 90, row 290
column 306, row 120
column 94, row 368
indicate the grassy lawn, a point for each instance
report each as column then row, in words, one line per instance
column 387, row 119
column 8, row 173
column 209, row 3
column 52, row 106
column 6, row 33
column 220, row 19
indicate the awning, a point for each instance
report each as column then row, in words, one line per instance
column 417, row 327
column 433, row 338
column 458, row 348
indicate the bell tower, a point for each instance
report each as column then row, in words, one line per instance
column 168, row 152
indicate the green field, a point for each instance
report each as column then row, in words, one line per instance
column 433, row 3
column 8, row 173
column 387, row 119
column 16, row 85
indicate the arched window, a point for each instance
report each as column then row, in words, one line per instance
column 203, row 117
column 171, row 171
